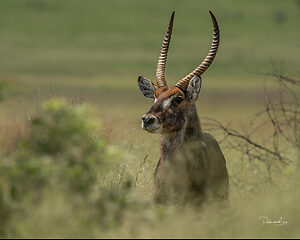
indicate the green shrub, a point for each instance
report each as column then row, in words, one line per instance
column 61, row 160
column 61, row 146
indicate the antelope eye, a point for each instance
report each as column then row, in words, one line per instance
column 177, row 100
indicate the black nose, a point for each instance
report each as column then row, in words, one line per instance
column 148, row 120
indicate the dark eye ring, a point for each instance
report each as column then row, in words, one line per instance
column 177, row 100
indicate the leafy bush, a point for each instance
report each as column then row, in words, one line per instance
column 61, row 158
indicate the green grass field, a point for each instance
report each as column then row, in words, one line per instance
column 95, row 50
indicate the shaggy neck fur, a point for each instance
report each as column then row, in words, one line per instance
column 171, row 142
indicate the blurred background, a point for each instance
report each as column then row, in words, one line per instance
column 99, row 48
column 93, row 52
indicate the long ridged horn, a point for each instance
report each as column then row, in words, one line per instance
column 183, row 83
column 160, row 69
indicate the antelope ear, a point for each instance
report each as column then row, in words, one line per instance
column 194, row 88
column 147, row 87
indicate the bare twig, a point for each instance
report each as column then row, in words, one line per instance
column 281, row 113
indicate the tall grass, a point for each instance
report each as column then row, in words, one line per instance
column 61, row 179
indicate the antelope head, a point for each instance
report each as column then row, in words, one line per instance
column 171, row 104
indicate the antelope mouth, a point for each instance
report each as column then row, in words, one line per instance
column 151, row 129
column 150, row 123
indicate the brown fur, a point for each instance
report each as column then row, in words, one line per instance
column 191, row 166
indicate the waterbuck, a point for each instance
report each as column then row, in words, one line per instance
column 191, row 165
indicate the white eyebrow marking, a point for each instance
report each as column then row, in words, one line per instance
column 167, row 103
